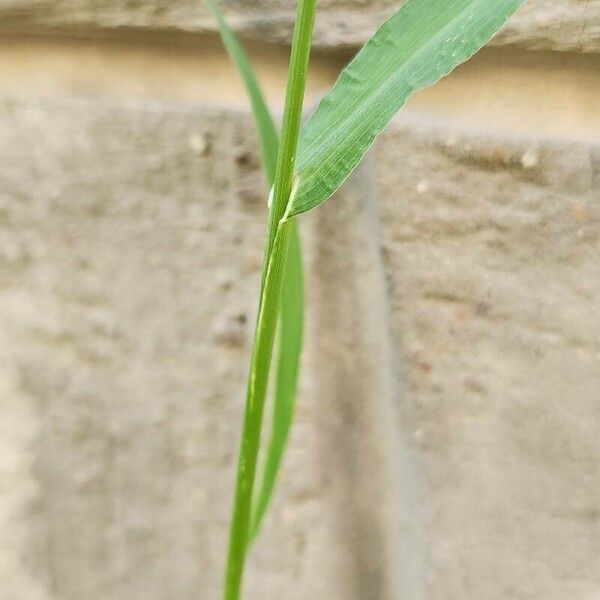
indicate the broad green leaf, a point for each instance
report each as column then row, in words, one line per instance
column 422, row 42
column 291, row 319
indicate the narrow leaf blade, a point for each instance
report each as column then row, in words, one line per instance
column 288, row 363
column 267, row 131
column 422, row 42
column 291, row 321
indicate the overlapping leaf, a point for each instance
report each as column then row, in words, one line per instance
column 267, row 132
column 291, row 319
column 419, row 44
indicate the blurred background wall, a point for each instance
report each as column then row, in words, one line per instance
column 447, row 440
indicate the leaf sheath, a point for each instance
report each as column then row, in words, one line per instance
column 255, row 397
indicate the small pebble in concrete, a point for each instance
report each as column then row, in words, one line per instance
column 422, row 187
column 530, row 159
column 199, row 144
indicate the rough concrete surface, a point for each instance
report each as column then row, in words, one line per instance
column 446, row 441
column 447, row 435
column 572, row 25
column 491, row 249
column 130, row 244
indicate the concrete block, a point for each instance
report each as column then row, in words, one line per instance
column 491, row 252
column 446, row 436
column 130, row 247
column 572, row 25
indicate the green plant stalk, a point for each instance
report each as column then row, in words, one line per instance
column 257, row 388
column 291, row 318
column 292, row 114
column 288, row 364
column 277, row 245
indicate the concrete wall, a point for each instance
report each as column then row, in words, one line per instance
column 446, row 442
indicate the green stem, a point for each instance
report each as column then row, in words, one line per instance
column 277, row 244
column 292, row 113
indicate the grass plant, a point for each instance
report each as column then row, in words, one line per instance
column 422, row 42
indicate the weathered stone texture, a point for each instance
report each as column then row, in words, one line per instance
column 108, row 214
column 491, row 250
column 572, row 25
column 446, row 439
column 544, row 24
column 130, row 247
